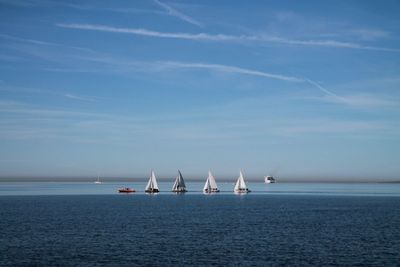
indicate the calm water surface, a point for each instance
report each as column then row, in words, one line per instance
column 194, row 187
column 72, row 224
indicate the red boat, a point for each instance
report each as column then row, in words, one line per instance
column 126, row 190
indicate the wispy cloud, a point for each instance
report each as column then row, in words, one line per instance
column 230, row 69
column 323, row 89
column 257, row 39
column 330, row 127
column 176, row 13
column 42, row 92
column 124, row 66
column 355, row 99
column 81, row 98
column 328, row 94
column 149, row 33
column 369, row 34
column 43, row 43
column 360, row 100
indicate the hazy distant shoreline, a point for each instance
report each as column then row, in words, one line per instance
column 196, row 179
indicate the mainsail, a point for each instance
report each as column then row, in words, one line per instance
column 211, row 184
column 179, row 185
column 207, row 186
column 241, row 184
column 152, row 186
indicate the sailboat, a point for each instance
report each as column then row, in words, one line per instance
column 152, row 186
column 240, row 186
column 179, row 185
column 210, row 185
column 98, row 180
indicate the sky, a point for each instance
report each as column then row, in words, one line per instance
column 296, row 89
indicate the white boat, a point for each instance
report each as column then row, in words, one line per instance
column 152, row 186
column 98, row 180
column 269, row 179
column 179, row 185
column 240, row 186
column 210, row 185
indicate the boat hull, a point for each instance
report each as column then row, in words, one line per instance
column 180, row 191
column 126, row 190
column 243, row 191
column 269, row 179
column 152, row 191
column 211, row 191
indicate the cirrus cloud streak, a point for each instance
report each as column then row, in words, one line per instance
column 224, row 37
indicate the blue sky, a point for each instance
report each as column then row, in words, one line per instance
column 297, row 89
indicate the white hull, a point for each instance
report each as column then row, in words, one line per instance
column 269, row 179
column 180, row 191
column 211, row 191
column 242, row 191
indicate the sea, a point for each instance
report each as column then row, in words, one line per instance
column 282, row 224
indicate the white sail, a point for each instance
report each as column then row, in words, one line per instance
column 175, row 184
column 154, row 180
column 148, row 186
column 181, row 182
column 179, row 185
column 210, row 185
column 240, row 185
column 213, row 183
column 207, row 186
column 237, row 185
column 152, row 185
column 98, row 180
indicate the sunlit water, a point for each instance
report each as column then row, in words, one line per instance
column 71, row 224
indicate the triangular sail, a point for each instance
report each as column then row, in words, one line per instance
column 152, row 185
column 213, row 183
column 237, row 185
column 175, row 186
column 154, row 180
column 179, row 185
column 148, row 186
column 207, row 186
column 240, row 183
column 181, row 181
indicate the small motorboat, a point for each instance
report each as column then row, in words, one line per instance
column 126, row 190
column 269, row 179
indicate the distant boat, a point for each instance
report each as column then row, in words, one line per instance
column 241, row 186
column 152, row 186
column 210, row 185
column 126, row 190
column 98, row 180
column 269, row 179
column 179, row 185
